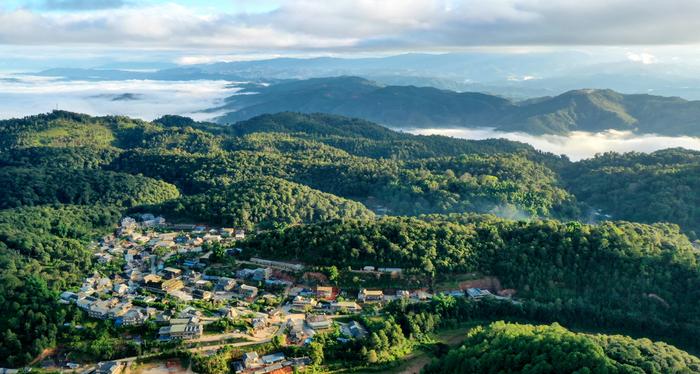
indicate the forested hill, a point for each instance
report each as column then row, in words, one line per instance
column 643, row 187
column 255, row 203
column 69, row 177
column 503, row 347
column 641, row 277
column 425, row 107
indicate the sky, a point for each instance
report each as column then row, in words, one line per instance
column 192, row 31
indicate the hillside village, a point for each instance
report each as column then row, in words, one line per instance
column 192, row 281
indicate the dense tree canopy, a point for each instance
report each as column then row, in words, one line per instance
column 507, row 347
column 37, row 186
column 314, row 180
column 42, row 250
column 621, row 266
column 661, row 186
column 264, row 202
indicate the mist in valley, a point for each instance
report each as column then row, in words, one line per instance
column 577, row 145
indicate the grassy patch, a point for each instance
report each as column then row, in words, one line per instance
column 67, row 134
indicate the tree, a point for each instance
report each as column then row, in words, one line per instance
column 332, row 273
column 316, row 353
column 372, row 356
column 279, row 341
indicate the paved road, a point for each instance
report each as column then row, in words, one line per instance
column 209, row 349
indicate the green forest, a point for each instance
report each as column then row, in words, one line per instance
column 264, row 202
column 510, row 347
column 626, row 267
column 608, row 241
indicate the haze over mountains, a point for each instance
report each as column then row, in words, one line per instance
column 513, row 75
column 426, row 107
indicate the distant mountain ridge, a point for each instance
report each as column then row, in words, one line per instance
column 512, row 75
column 589, row 110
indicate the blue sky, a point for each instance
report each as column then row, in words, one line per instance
column 231, row 6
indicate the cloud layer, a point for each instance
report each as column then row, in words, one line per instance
column 357, row 25
column 26, row 95
column 578, row 145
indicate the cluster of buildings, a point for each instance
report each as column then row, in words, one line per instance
column 158, row 261
column 181, row 329
column 274, row 363
column 142, row 247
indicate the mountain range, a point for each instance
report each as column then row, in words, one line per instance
column 427, row 107
column 513, row 75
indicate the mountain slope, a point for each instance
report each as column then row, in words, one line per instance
column 583, row 110
column 264, row 202
column 509, row 347
column 425, row 107
column 656, row 187
column 356, row 97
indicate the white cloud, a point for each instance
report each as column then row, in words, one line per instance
column 27, row 95
column 578, row 145
column 363, row 25
column 644, row 58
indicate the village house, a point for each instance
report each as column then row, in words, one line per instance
column 127, row 225
column 228, row 312
column 247, row 292
column 99, row 309
column 262, row 274
column 69, row 296
column 102, row 284
column 191, row 262
column 120, row 309
column 209, row 238
column 259, row 323
column 302, row 304
column 257, row 275
column 296, row 331
column 345, row 306
column 151, row 221
column 355, row 330
column 103, row 309
column 367, row 296
column 182, row 227
column 477, row 293
column 318, row 322
column 239, row 234
column 156, row 284
column 420, row 295
column 392, row 271
column 134, row 317
column 171, row 273
column 225, row 284
column 278, row 264
column 324, row 292
column 181, row 329
column 201, row 294
column 84, row 302
column 251, row 360
column 120, row 288
column 110, row 367
column 273, row 358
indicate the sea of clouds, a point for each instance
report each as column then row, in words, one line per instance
column 22, row 95
column 577, row 145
